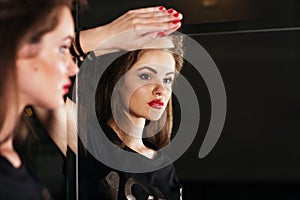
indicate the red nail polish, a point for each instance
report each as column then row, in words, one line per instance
column 176, row 21
column 161, row 8
column 171, row 11
column 176, row 14
column 162, row 33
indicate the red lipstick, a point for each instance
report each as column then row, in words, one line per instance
column 66, row 87
column 158, row 104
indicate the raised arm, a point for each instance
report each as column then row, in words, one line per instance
column 131, row 30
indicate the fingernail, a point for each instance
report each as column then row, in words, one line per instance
column 171, row 11
column 162, row 33
column 176, row 21
column 161, row 8
column 176, row 14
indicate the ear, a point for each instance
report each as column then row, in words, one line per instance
column 28, row 50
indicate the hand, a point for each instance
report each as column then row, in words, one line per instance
column 131, row 30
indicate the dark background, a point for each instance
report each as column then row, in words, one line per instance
column 256, row 46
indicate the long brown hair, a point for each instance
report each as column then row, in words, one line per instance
column 112, row 75
column 21, row 21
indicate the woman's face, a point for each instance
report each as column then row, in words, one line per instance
column 43, row 77
column 147, row 85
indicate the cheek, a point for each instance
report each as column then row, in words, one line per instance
column 168, row 95
column 138, row 101
column 51, row 76
column 138, row 97
column 132, row 91
column 53, row 66
column 54, row 73
column 58, row 70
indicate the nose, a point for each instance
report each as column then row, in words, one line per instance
column 72, row 67
column 159, row 90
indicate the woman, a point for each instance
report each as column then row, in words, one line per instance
column 36, row 66
column 133, row 100
column 133, row 30
column 36, row 40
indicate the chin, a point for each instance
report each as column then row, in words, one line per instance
column 57, row 104
column 154, row 117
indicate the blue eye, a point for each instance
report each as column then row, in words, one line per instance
column 168, row 80
column 145, row 76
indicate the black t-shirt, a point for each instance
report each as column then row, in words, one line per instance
column 98, row 181
column 20, row 183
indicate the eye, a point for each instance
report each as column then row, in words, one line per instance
column 168, row 80
column 145, row 76
column 64, row 49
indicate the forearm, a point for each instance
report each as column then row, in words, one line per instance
column 130, row 31
column 91, row 38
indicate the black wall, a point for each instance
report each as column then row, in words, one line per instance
column 256, row 46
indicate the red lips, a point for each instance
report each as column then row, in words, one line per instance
column 158, row 104
column 66, row 87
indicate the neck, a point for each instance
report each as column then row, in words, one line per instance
column 128, row 124
column 132, row 138
column 6, row 137
column 126, row 130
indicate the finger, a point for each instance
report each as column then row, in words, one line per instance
column 176, row 27
column 168, row 32
column 163, row 20
column 158, row 9
column 155, row 17
column 148, row 10
column 167, row 27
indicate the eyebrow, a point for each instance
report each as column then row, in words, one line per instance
column 153, row 70
column 169, row 73
column 69, row 37
column 148, row 68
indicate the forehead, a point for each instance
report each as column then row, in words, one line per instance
column 65, row 26
column 155, row 58
column 66, row 21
